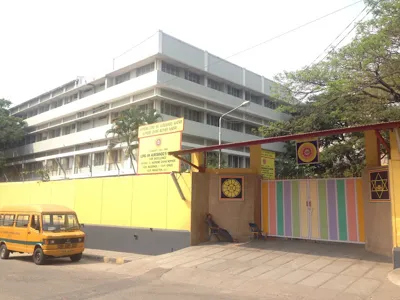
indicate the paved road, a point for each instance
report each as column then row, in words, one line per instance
column 21, row 279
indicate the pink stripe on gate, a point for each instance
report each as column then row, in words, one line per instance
column 272, row 207
column 351, row 210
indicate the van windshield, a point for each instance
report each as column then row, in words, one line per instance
column 60, row 222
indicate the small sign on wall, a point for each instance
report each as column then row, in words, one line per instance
column 379, row 185
column 231, row 188
column 307, row 152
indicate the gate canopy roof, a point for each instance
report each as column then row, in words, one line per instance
column 285, row 138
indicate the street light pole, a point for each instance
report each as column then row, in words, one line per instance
column 220, row 125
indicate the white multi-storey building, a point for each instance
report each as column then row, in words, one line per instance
column 67, row 125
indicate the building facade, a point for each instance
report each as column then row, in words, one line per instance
column 67, row 125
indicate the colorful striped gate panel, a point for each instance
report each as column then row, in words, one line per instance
column 317, row 209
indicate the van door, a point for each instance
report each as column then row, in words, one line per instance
column 21, row 232
column 34, row 233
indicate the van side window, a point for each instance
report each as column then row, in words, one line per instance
column 8, row 220
column 35, row 222
column 1, row 220
column 22, row 221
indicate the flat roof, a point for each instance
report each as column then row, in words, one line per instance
column 291, row 137
column 39, row 208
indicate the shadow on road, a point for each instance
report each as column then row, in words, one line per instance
column 54, row 261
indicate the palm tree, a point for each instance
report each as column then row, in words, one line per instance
column 126, row 128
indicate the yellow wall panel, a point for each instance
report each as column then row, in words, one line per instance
column 179, row 210
column 63, row 193
column 150, row 204
column 117, row 201
column 150, row 201
column 40, row 192
column 88, row 200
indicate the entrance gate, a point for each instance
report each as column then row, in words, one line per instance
column 316, row 209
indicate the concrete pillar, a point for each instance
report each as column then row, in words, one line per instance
column 394, row 174
column 158, row 64
column 198, row 160
column 255, row 158
column 372, row 151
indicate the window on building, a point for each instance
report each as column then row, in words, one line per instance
column 57, row 132
column 114, row 157
column 145, row 69
column 71, row 98
column 170, row 109
column 235, row 161
column 22, row 221
column 234, row 91
column 66, row 130
column 58, row 103
column 44, row 108
column 100, row 108
column 144, row 108
column 99, row 159
column 270, row 103
column 85, row 125
column 232, row 125
column 247, row 162
column 122, row 78
column 250, row 129
column 65, row 163
column 212, row 120
column 83, row 161
column 192, row 115
column 214, row 84
column 192, row 77
column 253, row 98
column 171, row 69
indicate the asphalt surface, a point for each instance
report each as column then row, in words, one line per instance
column 60, row 279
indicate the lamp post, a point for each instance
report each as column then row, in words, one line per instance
column 220, row 125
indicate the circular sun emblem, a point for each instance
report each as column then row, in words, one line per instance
column 231, row 188
column 158, row 142
column 307, row 152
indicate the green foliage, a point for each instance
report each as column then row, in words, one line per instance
column 126, row 128
column 212, row 160
column 356, row 85
column 11, row 129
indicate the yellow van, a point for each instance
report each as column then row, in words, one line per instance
column 42, row 230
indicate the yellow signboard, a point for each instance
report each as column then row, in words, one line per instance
column 155, row 141
column 171, row 126
column 268, row 164
column 153, row 153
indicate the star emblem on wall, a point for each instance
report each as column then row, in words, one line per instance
column 379, row 185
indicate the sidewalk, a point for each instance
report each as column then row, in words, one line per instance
column 283, row 269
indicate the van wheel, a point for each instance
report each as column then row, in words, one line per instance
column 38, row 256
column 4, row 253
column 76, row 257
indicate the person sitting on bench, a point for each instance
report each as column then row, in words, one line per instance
column 220, row 231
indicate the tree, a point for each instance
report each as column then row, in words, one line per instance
column 355, row 85
column 12, row 129
column 125, row 128
column 213, row 160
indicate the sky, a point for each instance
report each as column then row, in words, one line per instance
column 45, row 43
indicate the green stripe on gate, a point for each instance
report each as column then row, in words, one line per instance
column 342, row 214
column 20, row 242
column 295, row 208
